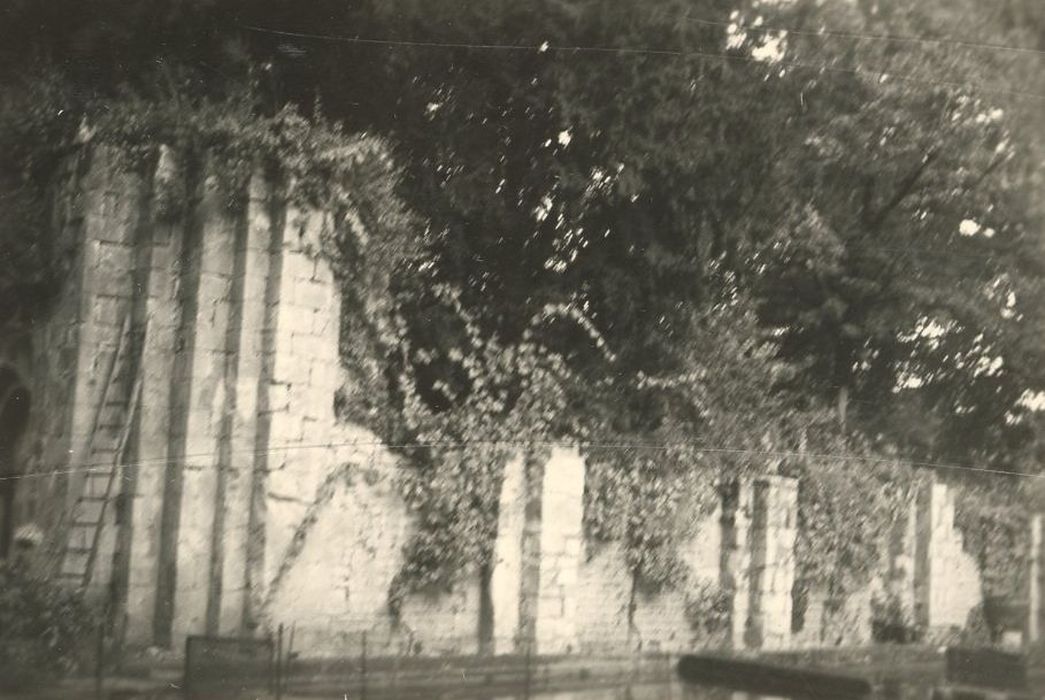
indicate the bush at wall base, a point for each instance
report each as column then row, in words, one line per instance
column 44, row 629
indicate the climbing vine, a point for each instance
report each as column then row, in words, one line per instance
column 184, row 138
column 846, row 508
column 996, row 533
column 457, row 397
column 709, row 609
column 507, row 401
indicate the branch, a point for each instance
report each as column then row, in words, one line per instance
column 987, row 171
column 905, row 188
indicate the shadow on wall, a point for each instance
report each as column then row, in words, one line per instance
column 14, row 414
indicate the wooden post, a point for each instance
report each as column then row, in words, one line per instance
column 99, row 661
column 362, row 669
column 290, row 654
column 279, row 662
column 526, row 687
column 186, row 681
column 1034, row 602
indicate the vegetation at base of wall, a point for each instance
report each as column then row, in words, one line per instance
column 709, row 611
column 993, row 521
column 43, row 629
column 849, row 500
column 892, row 619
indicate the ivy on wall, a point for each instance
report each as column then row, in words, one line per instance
column 457, row 399
column 995, row 530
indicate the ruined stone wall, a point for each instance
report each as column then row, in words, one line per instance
column 926, row 573
column 834, row 621
column 246, row 504
column 946, row 578
column 658, row 621
column 44, row 357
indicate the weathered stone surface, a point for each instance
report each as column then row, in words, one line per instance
column 252, row 506
column 207, row 400
column 736, row 557
column 153, row 439
column 562, row 499
column 773, row 530
column 506, row 577
column 947, row 583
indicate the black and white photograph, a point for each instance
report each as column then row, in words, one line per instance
column 522, row 349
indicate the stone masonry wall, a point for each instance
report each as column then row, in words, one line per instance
column 947, row 583
column 249, row 505
column 507, row 575
column 51, row 375
column 659, row 622
column 562, row 498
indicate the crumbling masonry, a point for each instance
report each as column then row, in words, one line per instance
column 241, row 502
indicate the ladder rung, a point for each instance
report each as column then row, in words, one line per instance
column 86, row 523
column 94, row 499
column 77, row 550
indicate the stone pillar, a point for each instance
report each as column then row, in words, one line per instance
column 902, row 547
column 550, row 529
column 506, row 578
column 759, row 527
column 773, row 532
column 1035, row 611
column 205, row 392
column 946, row 580
column 562, row 511
column 153, row 427
column 299, row 376
column 737, row 508
column 253, row 266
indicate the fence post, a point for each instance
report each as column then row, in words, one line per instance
column 395, row 665
column 1035, row 614
column 279, row 662
column 186, row 681
column 362, row 669
column 99, row 660
column 290, row 656
column 526, row 682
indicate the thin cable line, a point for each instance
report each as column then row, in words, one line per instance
column 694, row 445
column 873, row 37
column 671, row 53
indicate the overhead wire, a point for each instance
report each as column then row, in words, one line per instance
column 882, row 76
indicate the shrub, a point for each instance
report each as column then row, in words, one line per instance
column 891, row 620
column 709, row 610
column 42, row 628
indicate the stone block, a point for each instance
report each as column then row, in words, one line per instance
column 562, row 486
column 506, row 577
column 312, row 294
column 946, row 579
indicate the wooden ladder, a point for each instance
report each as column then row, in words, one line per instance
column 103, row 463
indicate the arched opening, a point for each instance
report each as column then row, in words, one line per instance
column 14, row 414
